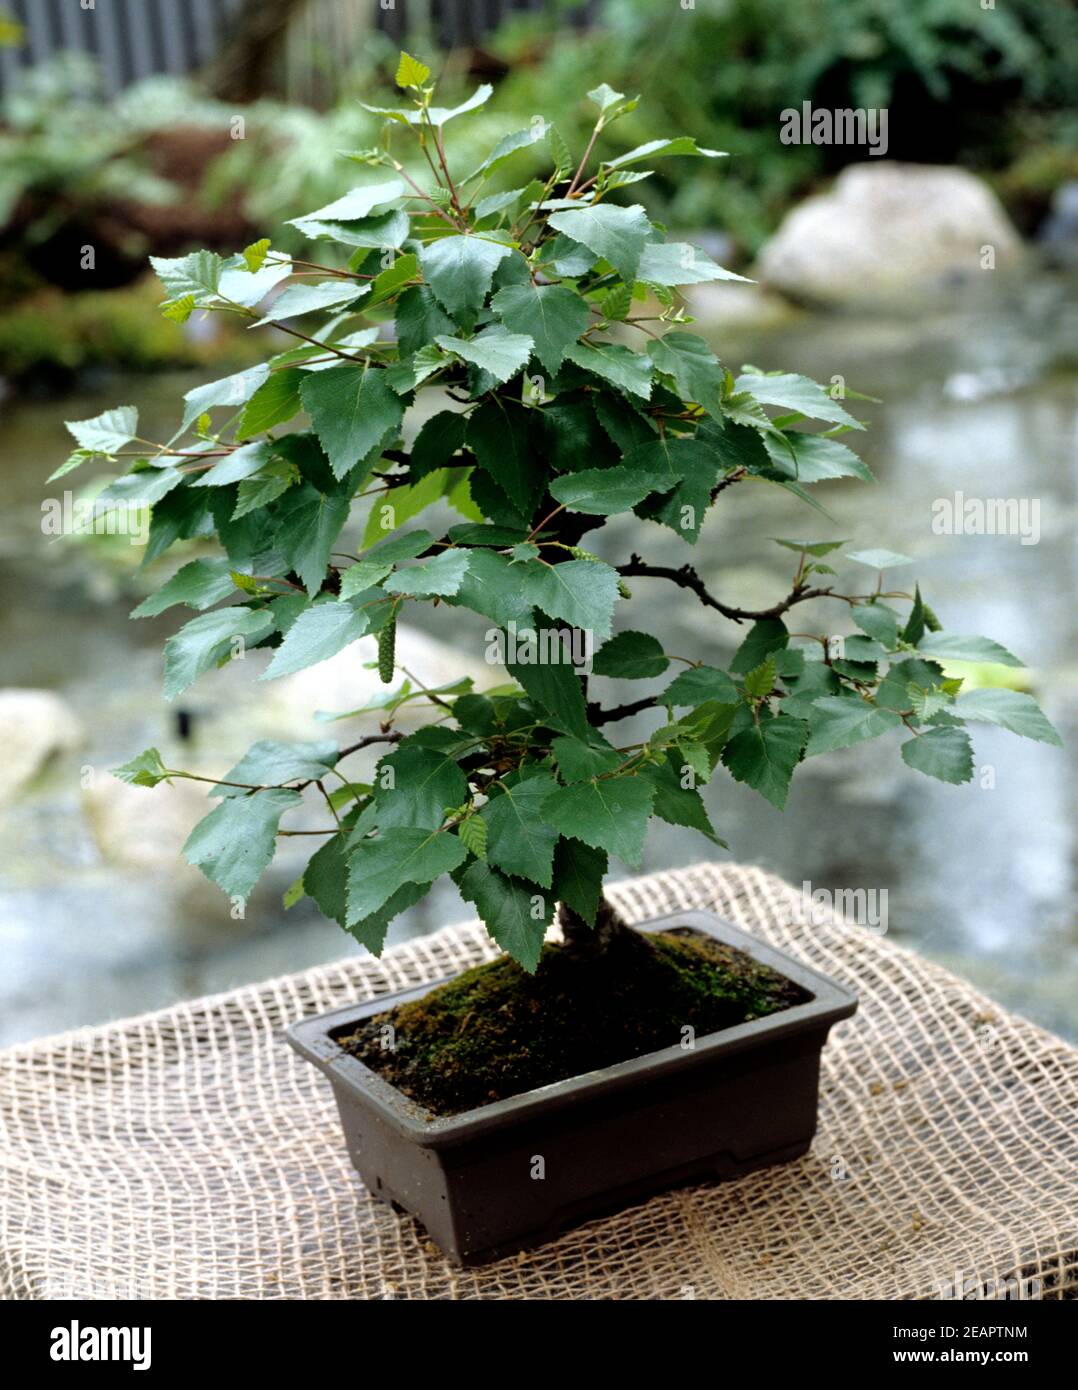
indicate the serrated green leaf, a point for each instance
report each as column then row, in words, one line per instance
column 207, row 640
column 552, row 316
column 234, row 844
column 411, row 72
column 403, row 854
column 631, row 656
column 323, row 630
column 519, row 842
column 617, row 234
column 473, row 832
column 837, row 722
column 697, row 684
column 353, row 412
column 610, row 815
column 765, row 755
column 495, row 350
column 269, row 763
column 951, row 646
column 943, row 753
column 1009, row 709
column 145, row 770
column 106, row 433
column 516, row 914
column 459, row 269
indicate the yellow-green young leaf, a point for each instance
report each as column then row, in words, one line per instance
column 761, row 679
column 255, row 254
column 179, row 310
column 293, row 894
column 411, row 72
column 146, row 770
column 473, row 832
column 563, row 160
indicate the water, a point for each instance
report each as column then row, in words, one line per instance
column 979, row 396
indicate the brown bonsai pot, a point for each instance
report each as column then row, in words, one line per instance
column 513, row 1173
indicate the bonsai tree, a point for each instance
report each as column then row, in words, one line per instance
column 545, row 321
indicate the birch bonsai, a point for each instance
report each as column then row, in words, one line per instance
column 546, row 323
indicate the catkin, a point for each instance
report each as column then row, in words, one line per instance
column 387, row 647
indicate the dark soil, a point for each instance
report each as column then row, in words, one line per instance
column 496, row 1031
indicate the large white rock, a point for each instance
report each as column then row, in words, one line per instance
column 888, row 230
column 34, row 725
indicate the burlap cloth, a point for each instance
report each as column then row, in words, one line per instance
column 191, row 1154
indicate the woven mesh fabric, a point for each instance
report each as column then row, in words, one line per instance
column 191, row 1154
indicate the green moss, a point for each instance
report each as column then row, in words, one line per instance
column 496, row 1031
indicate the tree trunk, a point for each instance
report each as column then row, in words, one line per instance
column 584, row 940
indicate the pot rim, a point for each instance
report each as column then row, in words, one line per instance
column 315, row 1039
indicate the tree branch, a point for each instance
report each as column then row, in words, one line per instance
column 687, row 578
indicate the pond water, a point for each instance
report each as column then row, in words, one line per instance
column 979, row 396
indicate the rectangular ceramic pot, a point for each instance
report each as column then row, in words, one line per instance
column 511, row 1174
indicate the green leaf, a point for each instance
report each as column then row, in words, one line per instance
column 579, row 761
column 424, row 779
column 199, row 584
column 106, row 433
column 502, row 435
column 145, row 770
column 579, row 871
column 459, row 270
column 605, row 97
column 579, row 592
column 620, row 366
column 878, row 559
column 304, row 298
column 631, row 656
column 796, row 393
column 265, row 487
column 393, row 279
column 697, row 372
column 353, row 411
column 442, row 574
column 494, row 587
column 765, row 755
column 838, row 722
column 419, row 320
column 1010, row 710
column 518, row 841
column 611, row 814
column 952, row 647
column 241, row 463
column 617, row 234
column 268, row 763
column 495, row 350
column 663, row 149
column 551, row 315
column 356, row 205
column 679, row 263
column 473, row 832
column 198, row 274
column 411, row 72
column 674, row 803
column 207, row 641
column 275, row 401
column 438, row 115
column 604, row 491
column 507, row 146
column 323, row 630
column 759, row 681
column 403, row 854
column 879, row 621
column 254, row 256
column 234, row 844
column 697, row 684
column 693, row 466
column 764, row 637
column 233, row 391
column 556, row 688
column 514, row 913
column 943, row 753
column 311, row 521
column 813, row 458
